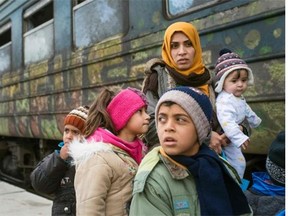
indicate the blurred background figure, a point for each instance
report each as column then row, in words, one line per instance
column 55, row 173
column 267, row 194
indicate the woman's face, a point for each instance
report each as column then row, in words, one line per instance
column 182, row 51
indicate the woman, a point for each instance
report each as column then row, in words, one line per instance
column 181, row 65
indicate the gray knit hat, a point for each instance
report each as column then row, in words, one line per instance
column 226, row 63
column 195, row 103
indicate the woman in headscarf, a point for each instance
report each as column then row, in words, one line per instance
column 181, row 65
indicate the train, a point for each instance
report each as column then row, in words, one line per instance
column 56, row 55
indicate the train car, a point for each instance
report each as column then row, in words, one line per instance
column 58, row 54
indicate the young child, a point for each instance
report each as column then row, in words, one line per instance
column 184, row 176
column 107, row 162
column 55, row 173
column 232, row 77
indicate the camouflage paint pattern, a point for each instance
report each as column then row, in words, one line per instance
column 34, row 100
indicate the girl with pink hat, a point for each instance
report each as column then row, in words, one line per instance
column 107, row 161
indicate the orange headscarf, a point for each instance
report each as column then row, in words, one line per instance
column 191, row 32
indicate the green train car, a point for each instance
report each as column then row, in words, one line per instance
column 57, row 54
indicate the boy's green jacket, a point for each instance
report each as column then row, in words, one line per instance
column 168, row 190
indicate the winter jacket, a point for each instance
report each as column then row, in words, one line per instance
column 165, row 82
column 231, row 111
column 55, row 176
column 164, row 188
column 103, row 180
column 265, row 197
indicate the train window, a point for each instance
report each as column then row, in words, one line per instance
column 38, row 14
column 5, row 34
column 106, row 19
column 5, row 47
column 76, row 2
column 176, row 7
column 39, row 32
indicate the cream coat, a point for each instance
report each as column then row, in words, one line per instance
column 103, row 180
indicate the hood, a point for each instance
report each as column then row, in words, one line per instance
column 81, row 151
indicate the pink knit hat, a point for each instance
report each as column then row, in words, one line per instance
column 124, row 105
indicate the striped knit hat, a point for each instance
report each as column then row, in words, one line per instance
column 226, row 63
column 196, row 104
column 77, row 117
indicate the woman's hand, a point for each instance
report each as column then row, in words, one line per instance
column 217, row 141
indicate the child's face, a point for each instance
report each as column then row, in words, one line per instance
column 70, row 133
column 182, row 51
column 236, row 82
column 138, row 123
column 176, row 131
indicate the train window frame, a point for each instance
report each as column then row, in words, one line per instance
column 78, row 44
column 38, row 19
column 78, row 2
column 34, row 10
column 169, row 15
column 5, row 47
column 5, row 3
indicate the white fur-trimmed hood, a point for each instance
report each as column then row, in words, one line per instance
column 81, row 151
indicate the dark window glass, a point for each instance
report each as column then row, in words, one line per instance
column 36, row 16
column 5, row 37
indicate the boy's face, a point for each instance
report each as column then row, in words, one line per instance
column 236, row 82
column 70, row 132
column 176, row 131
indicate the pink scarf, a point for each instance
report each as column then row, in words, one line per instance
column 134, row 149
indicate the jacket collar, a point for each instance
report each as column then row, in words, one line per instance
column 150, row 161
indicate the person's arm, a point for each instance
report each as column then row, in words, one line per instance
column 46, row 177
column 92, row 183
column 226, row 114
column 252, row 118
column 217, row 141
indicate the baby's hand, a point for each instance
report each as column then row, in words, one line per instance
column 245, row 144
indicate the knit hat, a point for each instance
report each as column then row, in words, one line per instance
column 226, row 63
column 77, row 117
column 275, row 162
column 195, row 103
column 124, row 105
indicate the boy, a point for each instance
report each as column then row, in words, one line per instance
column 55, row 173
column 184, row 176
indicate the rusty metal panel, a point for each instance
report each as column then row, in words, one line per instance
column 273, row 121
column 250, row 39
